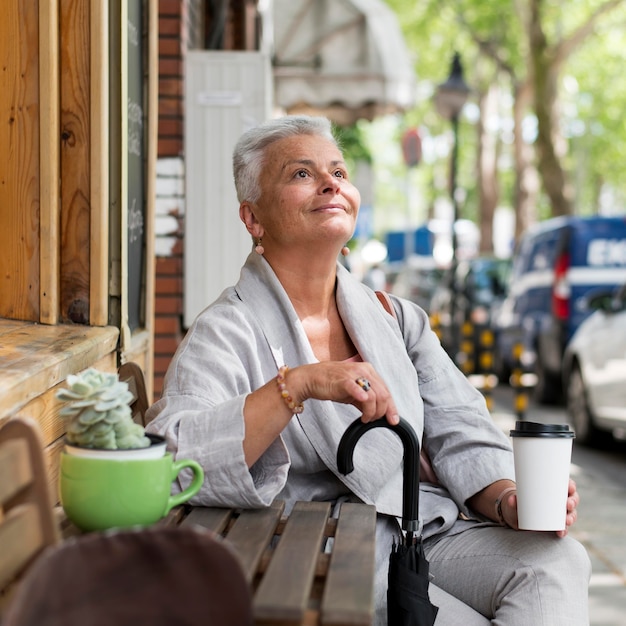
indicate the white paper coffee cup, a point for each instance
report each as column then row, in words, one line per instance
column 542, row 454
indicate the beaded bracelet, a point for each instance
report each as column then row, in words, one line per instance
column 499, row 500
column 282, row 388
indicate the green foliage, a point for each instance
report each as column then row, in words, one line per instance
column 98, row 412
column 353, row 143
column 495, row 48
column 594, row 94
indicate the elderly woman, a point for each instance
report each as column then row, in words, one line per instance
column 271, row 374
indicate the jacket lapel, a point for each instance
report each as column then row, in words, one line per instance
column 377, row 476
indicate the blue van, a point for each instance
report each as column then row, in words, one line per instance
column 556, row 263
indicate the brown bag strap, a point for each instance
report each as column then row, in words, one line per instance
column 427, row 473
column 385, row 300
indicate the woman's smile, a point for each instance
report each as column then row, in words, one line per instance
column 331, row 208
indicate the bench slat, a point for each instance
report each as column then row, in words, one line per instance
column 348, row 598
column 15, row 469
column 252, row 533
column 20, row 540
column 290, row 573
column 213, row 519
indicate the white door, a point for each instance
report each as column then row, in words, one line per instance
column 226, row 93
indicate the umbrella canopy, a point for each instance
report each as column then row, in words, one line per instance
column 346, row 59
column 408, row 603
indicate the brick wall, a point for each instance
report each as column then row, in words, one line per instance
column 169, row 264
column 170, row 208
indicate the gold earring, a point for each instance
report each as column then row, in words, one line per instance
column 259, row 249
column 345, row 251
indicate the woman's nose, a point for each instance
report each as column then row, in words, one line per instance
column 330, row 183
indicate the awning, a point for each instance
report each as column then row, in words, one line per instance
column 346, row 59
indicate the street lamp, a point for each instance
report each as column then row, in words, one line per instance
column 450, row 98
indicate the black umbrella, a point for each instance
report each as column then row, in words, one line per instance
column 408, row 603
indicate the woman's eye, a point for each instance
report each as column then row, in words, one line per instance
column 340, row 174
column 301, row 174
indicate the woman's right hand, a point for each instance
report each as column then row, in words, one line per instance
column 329, row 380
column 337, row 381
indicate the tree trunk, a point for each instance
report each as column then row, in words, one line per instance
column 526, row 187
column 544, row 78
column 487, row 168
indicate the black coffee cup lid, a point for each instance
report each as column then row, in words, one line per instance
column 535, row 429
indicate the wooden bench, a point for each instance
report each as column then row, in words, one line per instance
column 27, row 523
column 307, row 568
column 297, row 576
column 132, row 374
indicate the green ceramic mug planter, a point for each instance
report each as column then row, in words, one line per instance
column 121, row 492
column 112, row 473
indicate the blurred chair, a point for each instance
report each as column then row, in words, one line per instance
column 132, row 374
column 27, row 522
column 161, row 576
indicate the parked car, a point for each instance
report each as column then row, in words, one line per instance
column 556, row 264
column 594, row 369
column 417, row 280
column 469, row 293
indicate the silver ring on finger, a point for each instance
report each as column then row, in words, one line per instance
column 363, row 383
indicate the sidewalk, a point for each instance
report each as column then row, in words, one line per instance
column 600, row 528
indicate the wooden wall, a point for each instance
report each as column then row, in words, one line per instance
column 63, row 215
column 19, row 163
column 58, row 197
column 53, row 237
column 76, row 140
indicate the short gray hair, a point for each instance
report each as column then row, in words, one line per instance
column 249, row 152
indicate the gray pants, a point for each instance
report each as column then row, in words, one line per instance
column 511, row 578
column 489, row 575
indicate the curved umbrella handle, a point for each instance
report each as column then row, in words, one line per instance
column 411, row 476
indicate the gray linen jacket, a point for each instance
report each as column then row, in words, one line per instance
column 237, row 344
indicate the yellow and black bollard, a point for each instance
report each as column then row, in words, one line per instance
column 477, row 360
column 520, row 401
column 466, row 357
column 485, row 364
column 435, row 324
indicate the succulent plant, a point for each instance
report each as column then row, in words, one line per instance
column 98, row 412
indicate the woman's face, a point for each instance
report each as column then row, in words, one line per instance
column 306, row 196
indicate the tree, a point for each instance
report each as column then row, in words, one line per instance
column 546, row 63
column 528, row 58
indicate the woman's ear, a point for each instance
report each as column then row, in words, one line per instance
column 248, row 217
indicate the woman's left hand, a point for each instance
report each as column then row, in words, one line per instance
column 573, row 498
column 509, row 508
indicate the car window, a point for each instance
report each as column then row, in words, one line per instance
column 492, row 276
column 544, row 254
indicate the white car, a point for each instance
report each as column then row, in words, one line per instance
column 594, row 369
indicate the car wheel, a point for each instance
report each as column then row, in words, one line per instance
column 548, row 388
column 578, row 408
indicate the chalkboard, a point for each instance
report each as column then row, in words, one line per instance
column 136, row 165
